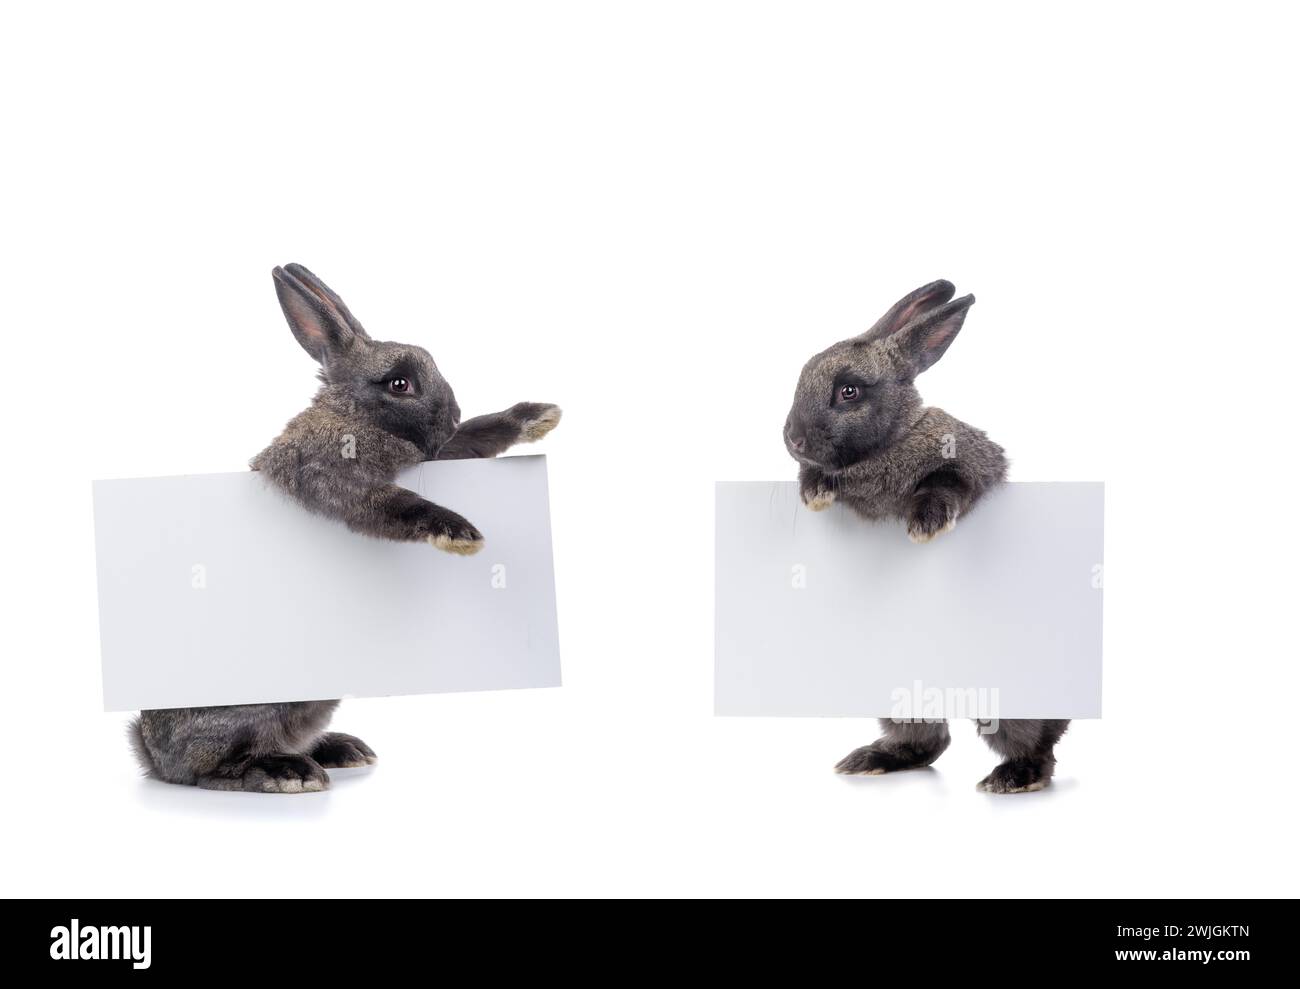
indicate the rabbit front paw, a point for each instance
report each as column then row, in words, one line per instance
column 816, row 490
column 536, row 419
column 450, row 533
column 930, row 516
column 818, row 499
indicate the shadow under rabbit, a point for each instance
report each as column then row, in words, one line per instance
column 930, row 776
column 194, row 801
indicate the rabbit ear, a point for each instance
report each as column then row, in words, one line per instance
column 327, row 296
column 317, row 324
column 908, row 308
column 925, row 338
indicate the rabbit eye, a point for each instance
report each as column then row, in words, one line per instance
column 399, row 385
column 849, row 392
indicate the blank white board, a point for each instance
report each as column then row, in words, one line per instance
column 826, row 614
column 217, row 589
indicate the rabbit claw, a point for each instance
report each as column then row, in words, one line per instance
column 337, row 750
column 277, row 773
column 461, row 546
column 920, row 532
column 931, row 517
column 1016, row 776
column 819, row 500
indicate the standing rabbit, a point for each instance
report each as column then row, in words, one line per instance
column 862, row 437
column 382, row 407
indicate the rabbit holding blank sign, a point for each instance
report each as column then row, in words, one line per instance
column 381, row 407
column 862, row 437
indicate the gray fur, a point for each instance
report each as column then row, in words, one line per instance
column 337, row 458
column 862, row 436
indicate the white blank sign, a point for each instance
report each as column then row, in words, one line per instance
column 217, row 589
column 826, row 614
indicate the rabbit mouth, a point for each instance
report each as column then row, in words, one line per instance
column 809, row 461
column 801, row 457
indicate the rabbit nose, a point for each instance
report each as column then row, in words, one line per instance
column 796, row 433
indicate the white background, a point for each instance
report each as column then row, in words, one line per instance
column 652, row 214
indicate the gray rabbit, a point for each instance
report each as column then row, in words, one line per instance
column 381, row 407
column 862, row 437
